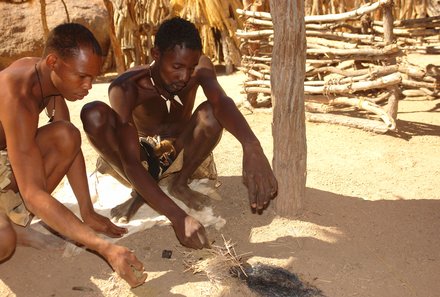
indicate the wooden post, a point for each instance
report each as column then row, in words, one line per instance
column 287, row 84
column 396, row 94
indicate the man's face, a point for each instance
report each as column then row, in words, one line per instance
column 176, row 67
column 73, row 77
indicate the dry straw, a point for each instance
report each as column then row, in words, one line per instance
column 219, row 263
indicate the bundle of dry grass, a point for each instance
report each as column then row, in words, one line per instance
column 219, row 263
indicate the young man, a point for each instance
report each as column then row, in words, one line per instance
column 34, row 159
column 157, row 101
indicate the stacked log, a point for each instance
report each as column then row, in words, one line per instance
column 349, row 76
column 415, row 35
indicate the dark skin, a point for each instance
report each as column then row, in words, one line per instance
column 41, row 156
column 139, row 110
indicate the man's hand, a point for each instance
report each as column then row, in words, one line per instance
column 191, row 233
column 103, row 225
column 258, row 177
column 126, row 265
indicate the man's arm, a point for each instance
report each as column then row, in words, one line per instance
column 77, row 177
column 257, row 173
column 188, row 230
column 20, row 125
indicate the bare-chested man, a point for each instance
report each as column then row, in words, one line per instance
column 158, row 100
column 34, row 159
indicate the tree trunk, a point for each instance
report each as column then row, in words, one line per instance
column 393, row 101
column 287, row 83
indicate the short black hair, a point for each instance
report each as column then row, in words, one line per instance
column 177, row 31
column 66, row 40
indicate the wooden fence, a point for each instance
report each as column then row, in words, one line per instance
column 352, row 70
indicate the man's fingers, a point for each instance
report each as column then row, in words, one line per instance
column 133, row 261
column 203, row 240
column 119, row 230
column 135, row 278
column 273, row 186
column 261, row 190
column 251, row 192
column 135, row 275
column 114, row 232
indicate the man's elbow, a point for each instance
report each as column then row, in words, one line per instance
column 30, row 199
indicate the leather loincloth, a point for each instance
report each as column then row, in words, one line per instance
column 158, row 158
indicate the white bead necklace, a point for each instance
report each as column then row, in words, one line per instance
column 167, row 101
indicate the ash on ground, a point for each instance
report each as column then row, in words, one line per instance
column 274, row 281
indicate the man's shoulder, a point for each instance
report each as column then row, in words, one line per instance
column 128, row 77
column 205, row 62
column 205, row 70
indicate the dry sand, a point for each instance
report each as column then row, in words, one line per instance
column 369, row 226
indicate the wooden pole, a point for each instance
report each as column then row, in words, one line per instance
column 287, row 84
column 396, row 94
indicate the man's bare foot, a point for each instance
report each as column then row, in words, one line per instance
column 122, row 213
column 33, row 238
column 184, row 193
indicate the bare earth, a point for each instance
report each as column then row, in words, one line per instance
column 369, row 226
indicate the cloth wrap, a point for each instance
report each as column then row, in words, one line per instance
column 159, row 159
column 11, row 203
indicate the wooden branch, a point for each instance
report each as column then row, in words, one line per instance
column 373, row 70
column 258, row 14
column 365, row 124
column 418, row 93
column 327, row 17
column 333, row 99
column 419, row 22
column 258, row 90
column 255, row 73
column 347, row 15
column 330, row 43
column 389, row 49
column 255, row 21
column 254, row 34
column 44, row 18
column 382, row 82
column 66, row 10
column 255, row 58
column 257, row 83
column 405, row 32
column 345, row 36
column 419, row 84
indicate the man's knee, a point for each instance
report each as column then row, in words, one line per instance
column 8, row 238
column 94, row 115
column 66, row 137
column 207, row 119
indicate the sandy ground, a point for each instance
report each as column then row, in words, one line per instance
column 369, row 226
